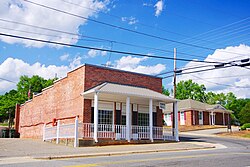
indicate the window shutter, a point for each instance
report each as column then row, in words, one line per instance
column 154, row 119
column 118, row 117
column 92, row 114
column 134, row 118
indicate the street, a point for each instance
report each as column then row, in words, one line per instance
column 230, row 152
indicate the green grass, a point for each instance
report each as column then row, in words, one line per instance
column 247, row 135
column 4, row 124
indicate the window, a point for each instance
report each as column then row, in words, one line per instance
column 105, row 117
column 200, row 115
column 143, row 119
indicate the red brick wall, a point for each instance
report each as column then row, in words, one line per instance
column 97, row 75
column 63, row 99
column 188, row 116
column 87, row 111
column 219, row 119
column 205, row 118
column 60, row 101
column 159, row 116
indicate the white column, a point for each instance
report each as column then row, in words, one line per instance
column 209, row 118
column 128, row 120
column 151, row 120
column 193, row 117
column 223, row 118
column 44, row 131
column 58, row 132
column 95, row 116
column 76, row 132
column 212, row 118
column 176, row 135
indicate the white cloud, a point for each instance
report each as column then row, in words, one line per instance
column 76, row 62
column 11, row 69
column 27, row 13
column 93, row 53
column 129, row 63
column 215, row 80
column 130, row 20
column 64, row 57
column 158, row 7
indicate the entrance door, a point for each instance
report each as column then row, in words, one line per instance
column 200, row 118
column 182, row 118
column 167, row 119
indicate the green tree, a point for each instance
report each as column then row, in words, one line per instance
column 34, row 84
column 165, row 91
column 9, row 100
column 237, row 105
column 190, row 90
column 244, row 115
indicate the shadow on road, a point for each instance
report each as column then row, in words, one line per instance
column 190, row 139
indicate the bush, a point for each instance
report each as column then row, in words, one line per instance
column 246, row 125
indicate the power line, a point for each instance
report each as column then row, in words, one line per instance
column 90, row 37
column 8, row 80
column 217, row 29
column 231, row 76
column 118, row 27
column 100, row 49
column 139, row 23
column 198, row 71
column 220, row 83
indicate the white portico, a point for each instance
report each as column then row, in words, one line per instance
column 127, row 97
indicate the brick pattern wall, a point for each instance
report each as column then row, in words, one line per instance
column 205, row 118
column 189, row 118
column 87, row 111
column 219, row 119
column 97, row 75
column 159, row 116
column 61, row 100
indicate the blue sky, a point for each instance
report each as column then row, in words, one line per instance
column 223, row 26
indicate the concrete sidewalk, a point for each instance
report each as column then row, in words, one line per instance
column 209, row 132
column 44, row 150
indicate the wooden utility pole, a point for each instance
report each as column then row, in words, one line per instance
column 174, row 93
column 174, row 90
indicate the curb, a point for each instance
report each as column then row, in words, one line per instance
column 118, row 153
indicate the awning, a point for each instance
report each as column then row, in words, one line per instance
column 119, row 92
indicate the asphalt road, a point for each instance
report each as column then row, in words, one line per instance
column 232, row 153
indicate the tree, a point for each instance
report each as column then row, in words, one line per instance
column 244, row 115
column 165, row 91
column 237, row 105
column 34, row 84
column 9, row 100
column 190, row 90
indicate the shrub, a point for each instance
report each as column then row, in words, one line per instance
column 246, row 125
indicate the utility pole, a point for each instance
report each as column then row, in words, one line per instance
column 174, row 90
column 174, row 93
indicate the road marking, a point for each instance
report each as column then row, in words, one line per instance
column 156, row 159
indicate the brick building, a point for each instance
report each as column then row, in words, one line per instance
column 103, row 99
column 191, row 112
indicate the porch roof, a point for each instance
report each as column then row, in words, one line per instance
column 119, row 91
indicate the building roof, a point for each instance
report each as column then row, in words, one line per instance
column 119, row 91
column 189, row 104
